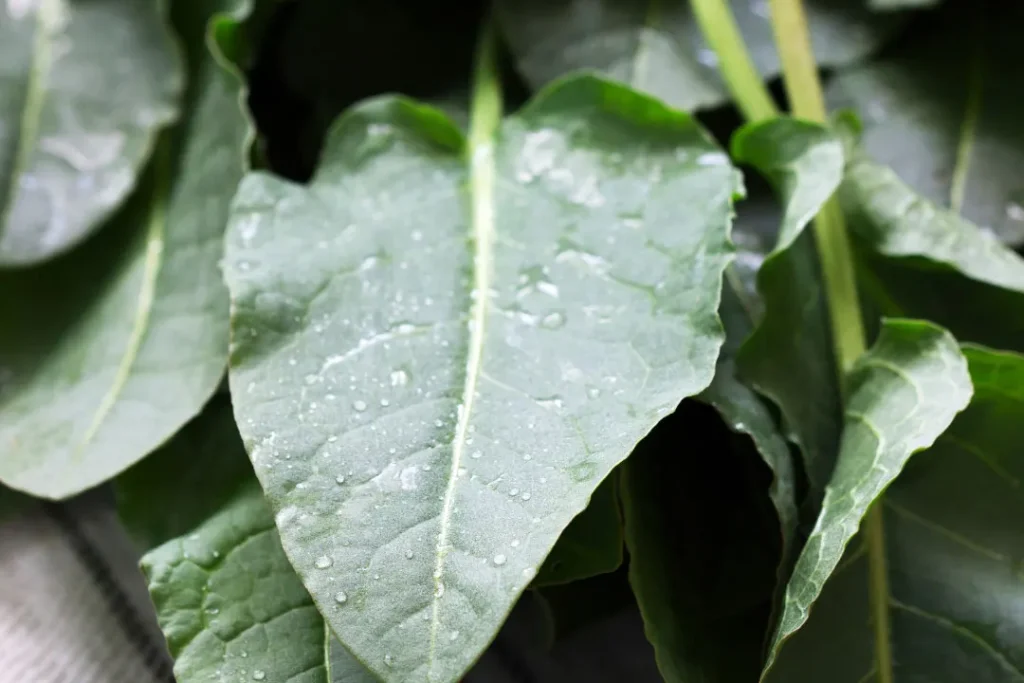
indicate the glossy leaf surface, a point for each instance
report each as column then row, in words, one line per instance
column 902, row 395
column 429, row 393
column 943, row 112
column 112, row 348
column 84, row 89
column 922, row 260
column 656, row 46
column 952, row 543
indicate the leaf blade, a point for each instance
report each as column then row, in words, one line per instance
column 545, row 472
column 888, row 423
column 69, row 159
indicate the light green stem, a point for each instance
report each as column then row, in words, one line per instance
column 737, row 68
column 803, row 88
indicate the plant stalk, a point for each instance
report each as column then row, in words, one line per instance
column 803, row 89
column 718, row 25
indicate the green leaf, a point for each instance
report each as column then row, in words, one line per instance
column 228, row 601
column 431, row 394
column 902, row 394
column 592, row 543
column 704, row 544
column 112, row 348
column 656, row 45
column 86, row 87
column 947, row 120
column 918, row 259
column 789, row 357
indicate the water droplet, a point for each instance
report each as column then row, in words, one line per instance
column 388, row 660
column 513, row 492
column 399, row 378
column 324, row 562
column 553, row 320
column 527, row 495
column 258, row 675
column 332, row 438
column 454, row 635
column 385, row 403
column 707, row 57
column 476, row 455
column 1015, row 212
column 340, row 479
column 500, row 560
column 359, row 405
column 438, row 423
column 409, row 554
column 340, row 597
column 593, row 392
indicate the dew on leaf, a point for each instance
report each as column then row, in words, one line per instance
column 499, row 560
column 324, row 562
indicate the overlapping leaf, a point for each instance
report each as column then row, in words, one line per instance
column 228, row 601
column 902, row 395
column 112, row 348
column 921, row 260
column 656, row 45
column 943, row 112
column 952, row 547
column 84, row 89
column 705, row 546
column 431, row 394
column 789, row 356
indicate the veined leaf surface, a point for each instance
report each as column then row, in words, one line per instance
column 230, row 604
column 789, row 356
column 84, row 89
column 951, row 560
column 947, row 120
column 109, row 350
column 656, row 46
column 441, row 347
column 919, row 259
column 902, row 395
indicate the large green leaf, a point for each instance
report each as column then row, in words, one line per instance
column 789, row 356
column 227, row 599
column 84, row 89
column 921, row 260
column 943, row 111
column 902, row 394
column 656, row 45
column 111, row 348
column 440, row 349
column 951, row 562
column 704, row 544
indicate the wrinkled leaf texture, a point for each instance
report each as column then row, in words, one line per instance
column 429, row 394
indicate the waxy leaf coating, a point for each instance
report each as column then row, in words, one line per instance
column 85, row 86
column 112, row 348
column 902, row 395
column 440, row 348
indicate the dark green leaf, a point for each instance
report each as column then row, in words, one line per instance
column 704, row 545
column 84, row 90
column 944, row 110
column 591, row 544
column 889, row 5
column 112, row 348
column 656, row 45
column 951, row 560
column 925, row 261
column 429, row 394
column 789, row 356
column 902, row 394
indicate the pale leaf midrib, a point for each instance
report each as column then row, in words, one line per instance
column 156, row 228
column 641, row 60
column 35, row 95
column 485, row 115
column 969, row 127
